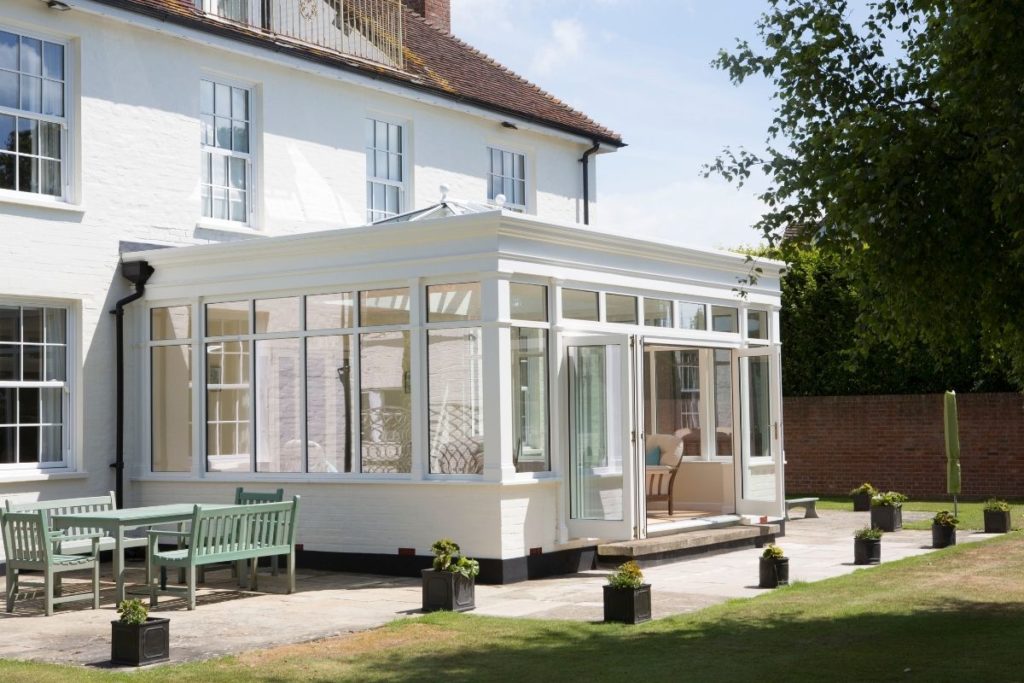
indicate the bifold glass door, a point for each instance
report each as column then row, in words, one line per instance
column 601, row 468
column 759, row 481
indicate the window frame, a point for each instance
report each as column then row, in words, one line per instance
column 70, row 441
column 489, row 176
column 370, row 119
column 253, row 158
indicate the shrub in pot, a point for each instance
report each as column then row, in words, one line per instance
column 774, row 567
column 136, row 638
column 867, row 546
column 862, row 497
column 887, row 510
column 944, row 529
column 450, row 584
column 627, row 599
column 997, row 516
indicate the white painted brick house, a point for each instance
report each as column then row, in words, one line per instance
column 235, row 147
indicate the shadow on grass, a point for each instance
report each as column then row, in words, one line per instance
column 953, row 640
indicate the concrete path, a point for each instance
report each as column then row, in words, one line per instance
column 228, row 620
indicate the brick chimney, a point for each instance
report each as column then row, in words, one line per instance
column 437, row 12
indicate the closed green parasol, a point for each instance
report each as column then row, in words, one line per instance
column 952, row 447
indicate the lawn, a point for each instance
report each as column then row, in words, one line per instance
column 970, row 513
column 952, row 615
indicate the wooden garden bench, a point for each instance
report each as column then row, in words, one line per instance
column 806, row 503
column 29, row 545
column 226, row 534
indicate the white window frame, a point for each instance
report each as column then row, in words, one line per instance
column 255, row 17
column 490, row 175
column 404, row 186
column 67, row 122
column 69, row 386
column 252, row 158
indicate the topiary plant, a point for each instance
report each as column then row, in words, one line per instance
column 448, row 558
column 133, row 611
column 945, row 518
column 628, row 575
column 868, row 534
column 772, row 552
column 888, row 499
column 866, row 487
column 996, row 505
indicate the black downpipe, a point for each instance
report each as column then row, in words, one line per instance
column 138, row 273
column 585, row 160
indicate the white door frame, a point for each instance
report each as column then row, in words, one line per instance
column 744, row 463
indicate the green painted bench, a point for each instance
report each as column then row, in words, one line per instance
column 225, row 534
column 29, row 545
column 79, row 540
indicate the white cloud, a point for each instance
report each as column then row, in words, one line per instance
column 565, row 44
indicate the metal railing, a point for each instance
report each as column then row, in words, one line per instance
column 367, row 29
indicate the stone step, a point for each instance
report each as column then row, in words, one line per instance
column 691, row 525
column 667, row 548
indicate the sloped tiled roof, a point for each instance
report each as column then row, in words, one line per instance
column 435, row 61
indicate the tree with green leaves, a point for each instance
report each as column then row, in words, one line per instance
column 897, row 147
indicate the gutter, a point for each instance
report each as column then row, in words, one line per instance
column 585, row 160
column 138, row 273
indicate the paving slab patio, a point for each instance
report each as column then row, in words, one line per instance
column 229, row 620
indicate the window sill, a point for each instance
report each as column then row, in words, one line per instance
column 14, row 476
column 234, row 229
column 39, row 202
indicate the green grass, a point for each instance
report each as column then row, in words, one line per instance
column 952, row 615
column 970, row 513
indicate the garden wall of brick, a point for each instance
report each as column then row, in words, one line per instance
column 834, row 443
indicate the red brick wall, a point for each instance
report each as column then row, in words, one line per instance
column 437, row 12
column 834, row 443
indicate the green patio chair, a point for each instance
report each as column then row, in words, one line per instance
column 29, row 545
column 243, row 497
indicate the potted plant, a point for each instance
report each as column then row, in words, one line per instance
column 627, row 599
column 450, row 584
column 136, row 638
column 862, row 497
column 887, row 510
column 774, row 567
column 944, row 529
column 997, row 516
column 867, row 546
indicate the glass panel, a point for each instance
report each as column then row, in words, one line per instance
column 528, row 302
column 7, row 172
column 8, row 140
column 454, row 368
column 596, row 486
column 385, row 402
column 724, row 319
column 32, row 94
column 394, row 167
column 49, row 172
column 8, row 405
column 676, row 395
column 381, row 135
column 222, row 99
column 52, row 402
column 219, row 166
column 31, row 56
column 579, row 304
column 10, row 362
column 692, row 316
column 757, row 324
column 380, row 164
column 220, row 203
column 329, row 384
column 28, row 406
column 330, row 311
column 530, row 399
column 240, row 132
column 56, row 324
column 384, row 307
column 723, row 402
column 32, row 324
column 172, row 408
column 9, row 90
column 8, row 445
column 236, row 173
column 53, row 61
column 760, row 415
column 28, row 444
column 446, row 303
column 56, row 363
column 28, row 136
column 240, row 104
column 171, row 322
column 279, row 405
column 657, row 313
column 51, row 446
column 227, row 318
column 619, row 308
column 236, row 201
column 227, row 406
column 223, row 126
column 206, row 129
column 53, row 98
column 278, row 315
column 8, row 51
column 392, row 200
column 28, row 174
column 206, row 97
column 10, row 324
column 32, row 363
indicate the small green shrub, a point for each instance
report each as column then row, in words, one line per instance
column 866, row 487
column 891, row 499
column 868, row 534
column 628, row 575
column 945, row 518
column 448, row 558
column 772, row 552
column 996, row 505
column 133, row 611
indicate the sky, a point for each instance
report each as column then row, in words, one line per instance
column 642, row 68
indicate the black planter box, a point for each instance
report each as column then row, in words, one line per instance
column 887, row 517
column 997, row 522
column 943, row 536
column 140, row 644
column 627, row 605
column 867, row 551
column 773, row 572
column 861, row 502
column 447, row 591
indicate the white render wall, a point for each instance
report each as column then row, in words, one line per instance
column 136, row 150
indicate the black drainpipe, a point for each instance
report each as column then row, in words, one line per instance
column 585, row 160
column 136, row 272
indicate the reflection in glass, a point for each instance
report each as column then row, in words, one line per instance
column 384, row 307
column 724, row 319
column 530, row 399
column 657, row 313
column 528, row 302
column 330, row 311
column 170, row 322
column 455, row 302
column 385, row 402
column 171, row 406
column 277, row 315
column 456, row 419
column 278, row 405
column 329, row 383
column 227, row 406
column 723, row 402
column 579, row 304
column 757, row 324
column 227, row 318
column 619, row 308
column 692, row 316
